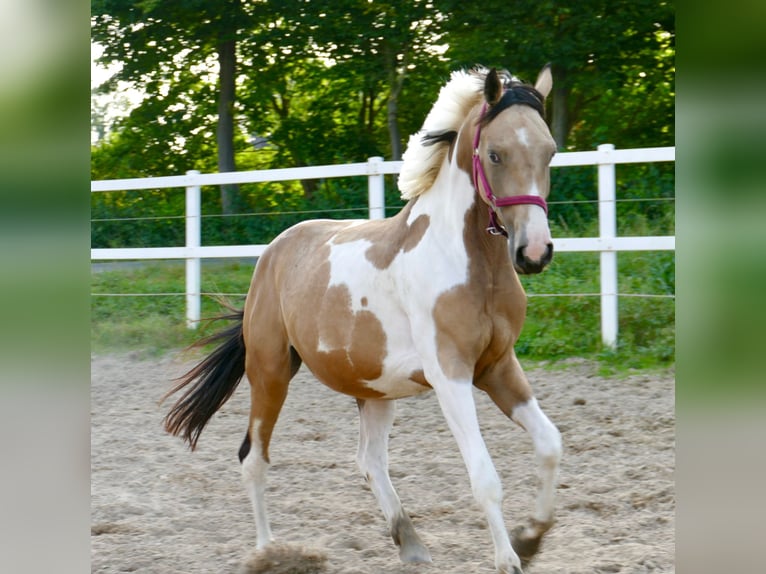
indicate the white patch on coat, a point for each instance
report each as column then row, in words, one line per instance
column 403, row 295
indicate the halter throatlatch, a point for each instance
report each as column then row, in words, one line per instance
column 493, row 202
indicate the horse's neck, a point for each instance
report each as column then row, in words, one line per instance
column 493, row 248
column 457, row 216
column 447, row 201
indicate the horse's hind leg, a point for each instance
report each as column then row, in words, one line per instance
column 268, row 389
column 376, row 418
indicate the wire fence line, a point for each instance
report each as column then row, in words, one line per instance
column 351, row 209
column 216, row 294
column 607, row 243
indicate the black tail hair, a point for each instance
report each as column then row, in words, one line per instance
column 212, row 382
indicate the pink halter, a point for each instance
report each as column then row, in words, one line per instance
column 479, row 176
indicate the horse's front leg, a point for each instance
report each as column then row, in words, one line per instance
column 457, row 404
column 547, row 442
column 508, row 387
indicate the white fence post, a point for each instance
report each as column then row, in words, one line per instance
column 193, row 239
column 376, row 197
column 607, row 225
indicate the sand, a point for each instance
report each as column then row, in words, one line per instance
column 156, row 507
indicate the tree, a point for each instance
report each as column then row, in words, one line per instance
column 164, row 44
column 362, row 51
column 328, row 81
column 595, row 47
column 384, row 43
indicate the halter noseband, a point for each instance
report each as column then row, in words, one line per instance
column 493, row 202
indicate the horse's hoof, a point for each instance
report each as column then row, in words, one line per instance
column 414, row 554
column 525, row 547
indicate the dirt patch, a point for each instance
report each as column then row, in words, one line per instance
column 158, row 508
column 283, row 558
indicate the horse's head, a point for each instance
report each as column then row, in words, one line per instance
column 512, row 151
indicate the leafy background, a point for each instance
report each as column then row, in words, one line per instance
column 257, row 85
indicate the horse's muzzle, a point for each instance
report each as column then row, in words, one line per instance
column 527, row 266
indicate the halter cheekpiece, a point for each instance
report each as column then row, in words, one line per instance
column 493, row 201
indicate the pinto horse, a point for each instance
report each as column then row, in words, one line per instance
column 428, row 299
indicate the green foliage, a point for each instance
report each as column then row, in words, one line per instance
column 337, row 81
column 333, row 81
column 612, row 62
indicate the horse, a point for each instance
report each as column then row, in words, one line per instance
column 426, row 300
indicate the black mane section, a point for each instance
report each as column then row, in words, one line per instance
column 516, row 93
column 433, row 138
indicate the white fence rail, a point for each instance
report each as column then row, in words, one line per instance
column 607, row 244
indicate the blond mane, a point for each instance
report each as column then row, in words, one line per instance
column 421, row 161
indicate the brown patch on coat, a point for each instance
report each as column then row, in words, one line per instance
column 389, row 237
column 288, row 303
column 419, row 378
column 461, row 334
column 357, row 346
column 479, row 322
column 464, row 142
column 353, row 344
column 342, row 347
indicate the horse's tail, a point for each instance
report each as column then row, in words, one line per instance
column 210, row 383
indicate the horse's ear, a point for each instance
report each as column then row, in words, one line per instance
column 493, row 87
column 544, row 82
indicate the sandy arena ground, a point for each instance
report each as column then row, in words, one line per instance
column 157, row 508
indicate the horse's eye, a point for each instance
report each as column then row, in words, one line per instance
column 493, row 157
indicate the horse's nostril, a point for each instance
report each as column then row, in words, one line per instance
column 525, row 265
column 548, row 255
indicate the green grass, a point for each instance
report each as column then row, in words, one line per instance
column 156, row 324
column 556, row 328
column 570, row 326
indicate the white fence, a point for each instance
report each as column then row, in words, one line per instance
column 608, row 243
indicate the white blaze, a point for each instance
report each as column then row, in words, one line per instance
column 521, row 133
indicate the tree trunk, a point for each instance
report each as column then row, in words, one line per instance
column 560, row 120
column 393, row 128
column 227, row 60
column 395, row 84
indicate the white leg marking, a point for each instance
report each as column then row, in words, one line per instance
column 547, row 442
column 376, row 419
column 457, row 404
column 254, row 469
